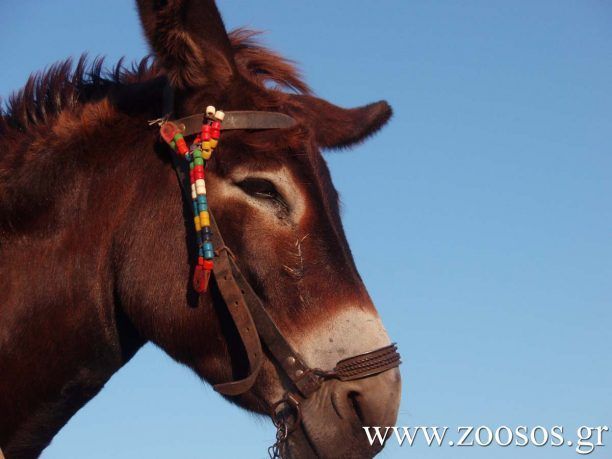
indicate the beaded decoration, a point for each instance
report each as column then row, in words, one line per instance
column 198, row 154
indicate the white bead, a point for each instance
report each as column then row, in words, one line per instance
column 193, row 191
column 200, row 190
column 199, row 182
column 219, row 115
column 210, row 111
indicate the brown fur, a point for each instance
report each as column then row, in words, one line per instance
column 95, row 239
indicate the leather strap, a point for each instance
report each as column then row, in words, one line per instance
column 235, row 302
column 252, row 307
column 232, row 296
column 244, row 119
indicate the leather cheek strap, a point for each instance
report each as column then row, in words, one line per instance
column 255, row 324
column 242, row 319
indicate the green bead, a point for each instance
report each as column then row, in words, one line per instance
column 172, row 144
column 198, row 161
column 197, row 153
column 191, row 165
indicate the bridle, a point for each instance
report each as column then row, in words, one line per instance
column 253, row 322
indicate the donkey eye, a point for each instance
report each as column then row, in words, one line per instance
column 259, row 188
column 262, row 189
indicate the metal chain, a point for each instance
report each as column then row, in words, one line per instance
column 282, row 432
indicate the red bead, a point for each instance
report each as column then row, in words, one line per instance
column 192, row 176
column 198, row 175
column 201, row 261
column 198, row 171
column 181, row 146
column 215, row 133
column 215, row 125
column 208, row 265
column 205, row 135
column 201, row 277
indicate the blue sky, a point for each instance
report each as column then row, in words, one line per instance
column 479, row 218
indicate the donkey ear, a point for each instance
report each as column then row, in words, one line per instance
column 190, row 41
column 337, row 127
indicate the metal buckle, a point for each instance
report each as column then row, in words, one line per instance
column 281, row 413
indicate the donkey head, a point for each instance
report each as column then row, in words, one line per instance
column 274, row 201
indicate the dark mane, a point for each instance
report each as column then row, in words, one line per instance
column 64, row 86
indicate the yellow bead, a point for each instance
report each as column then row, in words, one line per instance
column 206, row 145
column 204, row 218
column 206, row 154
column 213, row 143
column 196, row 220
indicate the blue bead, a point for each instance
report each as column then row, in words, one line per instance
column 200, row 252
column 207, row 245
column 195, row 208
column 209, row 254
column 202, row 202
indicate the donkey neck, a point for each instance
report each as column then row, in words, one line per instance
column 51, row 367
column 63, row 332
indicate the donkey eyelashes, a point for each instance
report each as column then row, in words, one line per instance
column 263, row 189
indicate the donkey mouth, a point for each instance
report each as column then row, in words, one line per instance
column 301, row 445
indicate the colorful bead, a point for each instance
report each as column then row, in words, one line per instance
column 205, row 132
column 209, row 265
column 181, row 146
column 204, row 218
column 197, row 154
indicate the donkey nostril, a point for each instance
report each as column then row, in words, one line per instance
column 354, row 402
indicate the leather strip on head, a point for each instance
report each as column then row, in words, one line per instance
column 245, row 119
column 369, row 364
column 265, row 327
column 233, row 299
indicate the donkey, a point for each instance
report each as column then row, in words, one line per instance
column 95, row 255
